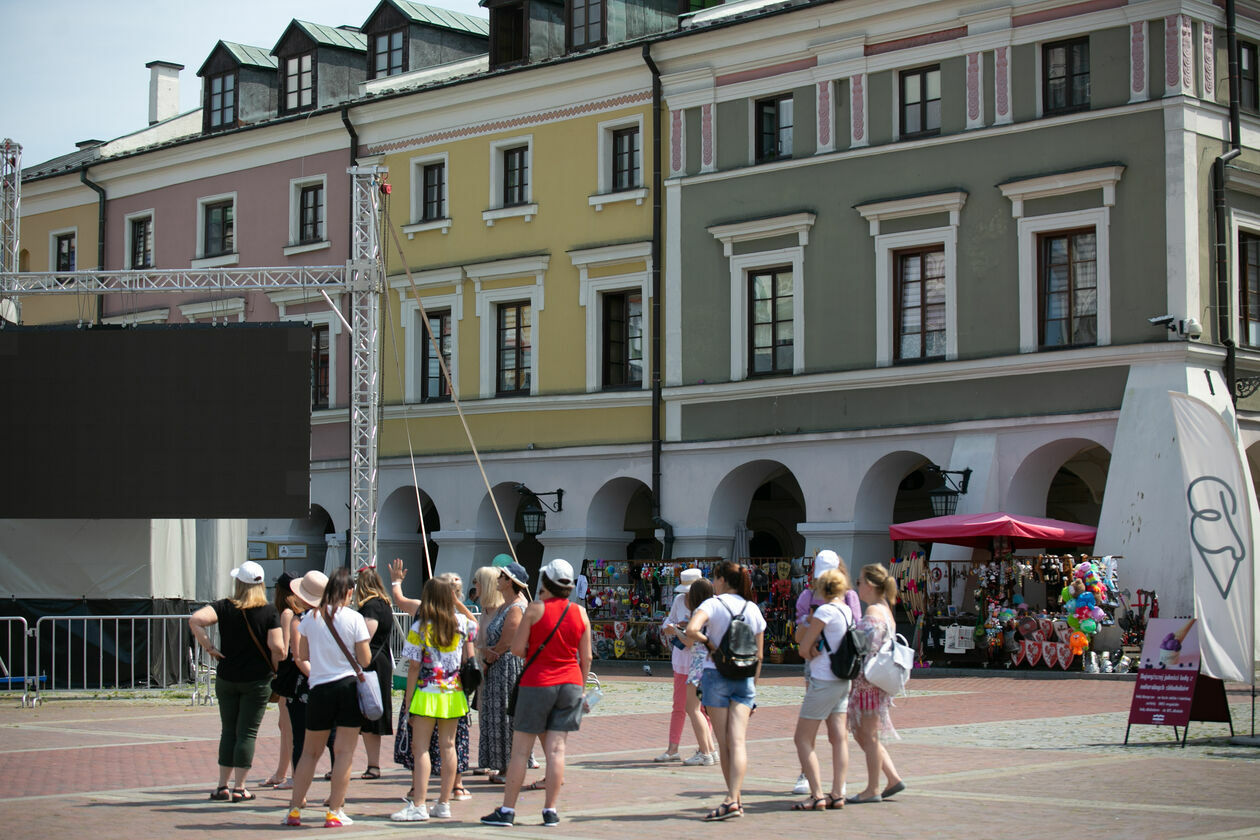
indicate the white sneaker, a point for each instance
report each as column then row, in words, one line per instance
column 412, row 813
column 336, row 819
column 802, row 784
column 441, row 810
column 695, row 760
column 711, row 759
column 666, row 756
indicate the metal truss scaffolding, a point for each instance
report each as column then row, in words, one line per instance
column 10, row 199
column 361, row 277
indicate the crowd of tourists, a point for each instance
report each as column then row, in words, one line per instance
column 322, row 649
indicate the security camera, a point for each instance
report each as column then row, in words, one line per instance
column 1161, row 320
column 1192, row 328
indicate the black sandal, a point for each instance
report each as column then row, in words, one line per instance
column 835, row 803
column 372, row 772
column 242, row 795
column 725, row 811
column 812, row 804
column 222, row 794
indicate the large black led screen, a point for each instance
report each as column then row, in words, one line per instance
column 155, row 422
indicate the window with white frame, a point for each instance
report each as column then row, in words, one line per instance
column 216, row 231
column 920, row 92
column 62, row 248
column 617, row 354
column 138, row 245
column 620, row 162
column 429, row 188
column 916, row 279
column 326, row 327
column 298, row 79
column 508, row 325
column 321, row 366
column 307, row 222
column 423, row 381
column 772, row 128
column 389, row 54
column 767, row 303
column 1064, row 261
column 511, row 179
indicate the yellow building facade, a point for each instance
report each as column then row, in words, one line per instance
column 59, row 214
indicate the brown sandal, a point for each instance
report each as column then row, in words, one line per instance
column 812, row 804
column 539, row 784
column 835, row 803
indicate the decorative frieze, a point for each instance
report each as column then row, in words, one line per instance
column 708, row 159
column 1178, row 55
column 975, row 102
column 825, row 116
column 1209, row 61
column 1139, row 85
column 1002, row 85
column 857, row 112
column 677, row 142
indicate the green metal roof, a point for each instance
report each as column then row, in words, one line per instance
column 443, row 18
column 332, row 36
column 251, row 56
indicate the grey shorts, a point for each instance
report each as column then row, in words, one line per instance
column 548, row 708
column 824, row 698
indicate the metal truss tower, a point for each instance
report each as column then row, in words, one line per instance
column 361, row 277
column 10, row 201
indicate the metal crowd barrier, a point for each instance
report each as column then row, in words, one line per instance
column 121, row 653
column 15, row 671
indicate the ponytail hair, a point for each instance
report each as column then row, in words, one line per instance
column 736, row 577
column 884, row 584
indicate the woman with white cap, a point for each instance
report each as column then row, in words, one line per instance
column 250, row 646
column 330, row 634
column 686, row 703
column 502, row 669
column 554, row 639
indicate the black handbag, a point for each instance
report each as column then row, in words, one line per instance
column 516, row 686
column 285, row 683
column 469, row 676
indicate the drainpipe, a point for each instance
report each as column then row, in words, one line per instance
column 354, row 135
column 656, row 300
column 100, row 231
column 1218, row 182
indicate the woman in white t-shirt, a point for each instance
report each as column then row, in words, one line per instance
column 333, row 701
column 686, row 704
column 826, row 695
column 728, row 701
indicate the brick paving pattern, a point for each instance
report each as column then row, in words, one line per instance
column 983, row 757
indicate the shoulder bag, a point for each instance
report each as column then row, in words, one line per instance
column 275, row 695
column 888, row 668
column 516, row 687
column 369, row 690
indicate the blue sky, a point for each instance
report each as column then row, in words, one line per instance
column 74, row 70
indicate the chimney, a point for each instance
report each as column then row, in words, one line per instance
column 163, row 90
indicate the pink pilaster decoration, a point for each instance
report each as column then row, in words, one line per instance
column 973, row 86
column 1172, row 55
column 1137, row 55
column 675, row 140
column 1187, row 55
column 858, row 105
column 824, row 113
column 706, row 135
column 1001, row 66
column 1209, row 61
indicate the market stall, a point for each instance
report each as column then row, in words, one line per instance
column 1016, row 609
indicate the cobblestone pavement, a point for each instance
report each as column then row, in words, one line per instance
column 983, row 757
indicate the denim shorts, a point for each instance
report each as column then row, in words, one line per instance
column 719, row 692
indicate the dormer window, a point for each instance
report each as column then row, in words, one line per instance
column 507, row 35
column 586, row 24
column 389, row 54
column 299, row 82
column 221, row 101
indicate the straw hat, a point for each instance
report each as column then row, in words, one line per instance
column 310, row 587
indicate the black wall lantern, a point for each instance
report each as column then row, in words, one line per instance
column 944, row 499
column 533, row 517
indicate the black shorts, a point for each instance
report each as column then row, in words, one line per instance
column 334, row 704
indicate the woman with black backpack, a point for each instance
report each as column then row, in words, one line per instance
column 734, row 637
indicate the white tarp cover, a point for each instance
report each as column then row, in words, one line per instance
column 75, row 558
column 1220, row 539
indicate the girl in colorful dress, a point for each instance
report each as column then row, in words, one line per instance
column 868, row 704
column 440, row 640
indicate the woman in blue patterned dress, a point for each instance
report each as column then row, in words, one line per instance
column 502, row 670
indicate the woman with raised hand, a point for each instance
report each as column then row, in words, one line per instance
column 378, row 613
column 869, row 720
column 438, row 643
column 251, row 645
column 826, row 695
column 728, row 700
column 502, row 669
column 333, row 698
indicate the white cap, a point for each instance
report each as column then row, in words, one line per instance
column 559, row 571
column 248, row 572
column 825, row 561
column 688, row 577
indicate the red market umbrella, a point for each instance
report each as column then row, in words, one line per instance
column 978, row 530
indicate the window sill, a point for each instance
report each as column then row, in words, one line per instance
column 526, row 210
column 307, row 247
column 598, row 201
column 443, row 225
column 1059, row 112
column 216, row 261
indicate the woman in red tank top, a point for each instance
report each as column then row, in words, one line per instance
column 554, row 639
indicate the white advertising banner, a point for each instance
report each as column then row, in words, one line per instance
column 1220, row 540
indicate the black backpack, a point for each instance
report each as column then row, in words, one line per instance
column 736, row 655
column 847, row 659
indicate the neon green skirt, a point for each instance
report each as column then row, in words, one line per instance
column 442, row 705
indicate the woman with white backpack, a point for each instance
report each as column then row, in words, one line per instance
column 868, row 703
column 826, row 694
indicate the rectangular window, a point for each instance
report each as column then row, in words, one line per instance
column 1067, row 271
column 299, row 82
column 623, row 340
column 434, row 206
column 221, row 107
column 921, row 101
column 1065, row 76
column 625, row 159
column 1249, row 289
column 387, row 54
column 920, row 303
column 319, row 367
column 512, row 365
column 433, row 384
column 770, row 324
column 1249, row 87
column 218, row 229
column 141, row 243
column 515, row 176
column 586, row 24
column 507, row 35
column 65, row 251
column 774, row 128
column 311, row 214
